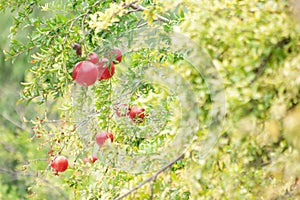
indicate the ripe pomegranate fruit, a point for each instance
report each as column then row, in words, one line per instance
column 90, row 160
column 60, row 164
column 93, row 58
column 102, row 137
column 85, row 73
column 111, row 137
column 137, row 114
column 117, row 54
column 94, row 159
column 104, row 72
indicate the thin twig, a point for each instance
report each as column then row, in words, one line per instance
column 153, row 177
column 141, row 25
column 8, row 118
column 15, row 175
column 24, row 50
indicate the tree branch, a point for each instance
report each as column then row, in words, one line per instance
column 153, row 177
column 152, row 189
column 141, row 8
column 260, row 70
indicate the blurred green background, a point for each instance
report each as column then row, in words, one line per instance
column 16, row 148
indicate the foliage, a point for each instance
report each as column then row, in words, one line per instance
column 257, row 57
column 16, row 147
column 252, row 44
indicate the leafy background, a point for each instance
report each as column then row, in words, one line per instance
column 253, row 44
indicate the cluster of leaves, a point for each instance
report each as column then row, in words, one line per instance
column 97, row 26
column 53, row 33
column 254, row 46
